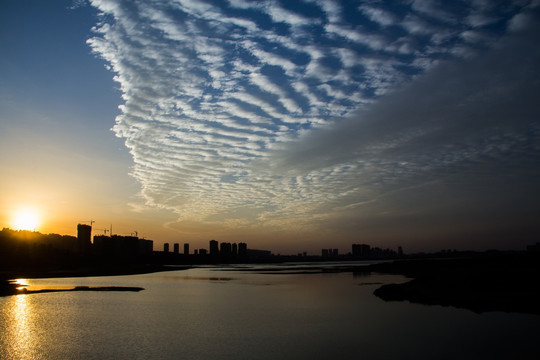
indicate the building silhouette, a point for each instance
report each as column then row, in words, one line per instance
column 176, row 248
column 242, row 250
column 329, row 253
column 166, row 247
column 186, row 249
column 225, row 249
column 125, row 248
column 214, row 249
column 84, row 237
column 361, row 250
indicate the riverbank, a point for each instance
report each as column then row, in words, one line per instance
column 486, row 282
column 108, row 270
column 480, row 282
column 7, row 287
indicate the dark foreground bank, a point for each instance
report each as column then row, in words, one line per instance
column 508, row 282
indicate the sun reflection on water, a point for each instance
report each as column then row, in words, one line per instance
column 22, row 323
column 17, row 340
column 21, row 284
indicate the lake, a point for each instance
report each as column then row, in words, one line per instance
column 250, row 313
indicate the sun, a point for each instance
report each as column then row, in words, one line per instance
column 26, row 219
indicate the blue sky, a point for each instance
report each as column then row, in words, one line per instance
column 289, row 125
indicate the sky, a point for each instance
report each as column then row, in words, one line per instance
column 290, row 125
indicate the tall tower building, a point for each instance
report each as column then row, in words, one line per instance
column 242, row 249
column 225, row 248
column 84, row 234
column 214, row 247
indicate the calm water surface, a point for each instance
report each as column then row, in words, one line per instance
column 223, row 313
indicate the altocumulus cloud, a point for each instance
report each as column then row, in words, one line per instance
column 291, row 113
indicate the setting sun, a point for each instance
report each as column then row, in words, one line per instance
column 26, row 219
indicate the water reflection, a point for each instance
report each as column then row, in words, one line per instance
column 17, row 338
column 206, row 314
column 21, row 283
column 22, row 338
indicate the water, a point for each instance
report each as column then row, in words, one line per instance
column 216, row 313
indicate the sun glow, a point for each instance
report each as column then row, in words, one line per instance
column 26, row 219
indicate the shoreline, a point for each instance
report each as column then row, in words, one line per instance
column 117, row 270
column 7, row 287
column 479, row 284
column 16, row 290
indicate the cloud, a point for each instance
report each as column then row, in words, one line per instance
column 454, row 106
column 373, row 41
column 379, row 16
column 279, row 14
column 214, row 90
column 435, row 9
column 460, row 143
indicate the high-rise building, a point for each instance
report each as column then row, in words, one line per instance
column 214, row 247
column 242, row 249
column 84, row 234
column 166, row 247
column 176, row 248
column 225, row 248
column 122, row 247
column 356, row 249
column 186, row 249
column 361, row 250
